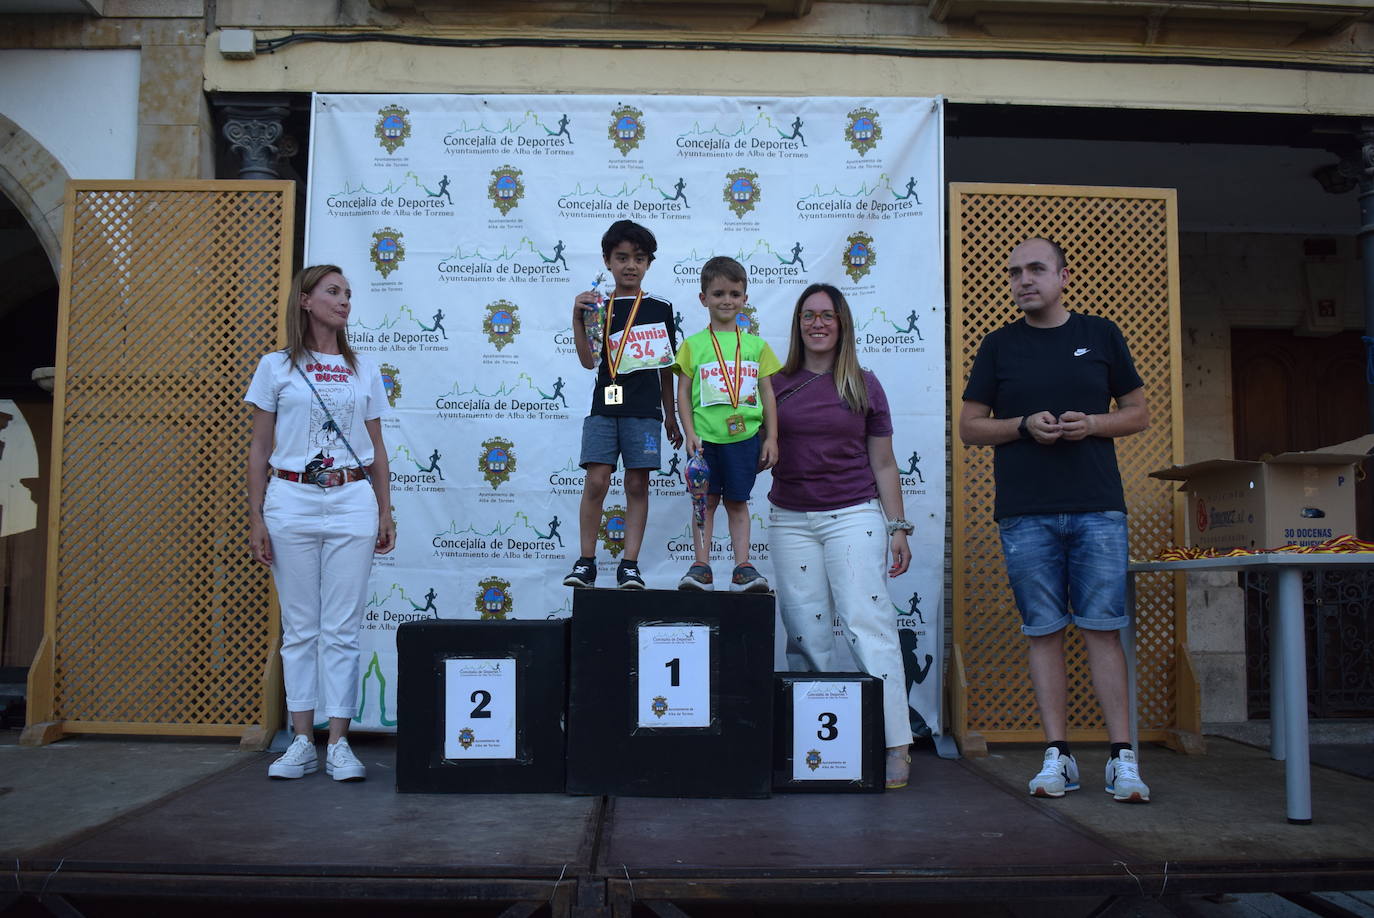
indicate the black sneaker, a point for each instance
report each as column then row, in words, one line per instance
column 583, row 574
column 627, row 576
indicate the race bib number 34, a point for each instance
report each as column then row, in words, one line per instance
column 649, row 348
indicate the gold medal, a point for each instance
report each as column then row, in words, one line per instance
column 734, row 424
column 614, row 394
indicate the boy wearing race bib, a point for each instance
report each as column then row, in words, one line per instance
column 725, row 401
column 631, row 350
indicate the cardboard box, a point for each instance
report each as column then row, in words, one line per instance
column 1297, row 498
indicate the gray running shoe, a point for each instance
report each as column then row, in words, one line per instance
column 1123, row 779
column 747, row 579
column 698, row 577
column 1058, row 774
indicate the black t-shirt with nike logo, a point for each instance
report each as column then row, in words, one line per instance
column 1081, row 365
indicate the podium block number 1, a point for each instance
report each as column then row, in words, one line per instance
column 479, row 709
column 674, row 676
column 827, row 731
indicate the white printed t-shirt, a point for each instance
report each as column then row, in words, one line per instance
column 302, row 433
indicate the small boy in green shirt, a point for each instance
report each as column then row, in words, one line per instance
column 725, row 404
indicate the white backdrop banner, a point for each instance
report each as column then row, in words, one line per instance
column 467, row 224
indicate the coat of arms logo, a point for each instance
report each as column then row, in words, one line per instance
column 494, row 602
column 393, row 127
column 627, row 128
column 742, row 191
column 863, row 130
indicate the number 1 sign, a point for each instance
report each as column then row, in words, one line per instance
column 674, row 676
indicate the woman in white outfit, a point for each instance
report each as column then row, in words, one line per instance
column 836, row 515
column 319, row 506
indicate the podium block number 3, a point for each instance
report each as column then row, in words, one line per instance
column 827, row 731
column 674, row 669
column 479, row 709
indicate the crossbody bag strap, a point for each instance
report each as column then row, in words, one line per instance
column 792, row 391
column 332, row 423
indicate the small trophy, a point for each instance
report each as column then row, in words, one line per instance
column 697, row 475
column 594, row 317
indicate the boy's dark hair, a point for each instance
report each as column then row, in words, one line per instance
column 631, row 232
column 723, row 266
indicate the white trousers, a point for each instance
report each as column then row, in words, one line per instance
column 322, row 545
column 831, row 564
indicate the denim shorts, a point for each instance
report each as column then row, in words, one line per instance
column 632, row 440
column 734, row 466
column 1062, row 561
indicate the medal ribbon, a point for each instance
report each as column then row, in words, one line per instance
column 613, row 363
column 731, row 389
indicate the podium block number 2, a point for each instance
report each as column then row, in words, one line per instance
column 479, row 709
column 674, row 676
column 827, row 731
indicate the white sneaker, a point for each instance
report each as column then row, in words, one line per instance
column 341, row 764
column 1123, row 779
column 299, row 760
column 1058, row 774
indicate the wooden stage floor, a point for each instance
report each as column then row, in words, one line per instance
column 964, row 831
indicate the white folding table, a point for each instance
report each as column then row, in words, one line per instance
column 1287, row 657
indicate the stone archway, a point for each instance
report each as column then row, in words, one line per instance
column 36, row 182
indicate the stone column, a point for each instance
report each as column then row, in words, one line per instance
column 174, row 126
column 255, row 128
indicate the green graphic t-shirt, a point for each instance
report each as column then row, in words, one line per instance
column 711, row 408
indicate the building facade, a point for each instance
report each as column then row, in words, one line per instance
column 1260, row 113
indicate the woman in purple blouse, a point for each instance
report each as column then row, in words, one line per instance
column 837, row 510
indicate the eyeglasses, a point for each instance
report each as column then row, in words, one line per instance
column 808, row 317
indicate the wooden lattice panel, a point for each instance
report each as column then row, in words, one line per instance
column 158, row 620
column 1123, row 254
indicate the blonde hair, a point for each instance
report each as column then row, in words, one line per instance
column 298, row 320
column 849, row 377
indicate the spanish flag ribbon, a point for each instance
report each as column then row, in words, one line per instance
column 1340, row 545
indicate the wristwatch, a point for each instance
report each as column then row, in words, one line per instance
column 1022, row 430
column 899, row 525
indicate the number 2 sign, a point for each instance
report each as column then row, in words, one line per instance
column 479, row 709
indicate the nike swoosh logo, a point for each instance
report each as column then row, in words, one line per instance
column 1081, row 351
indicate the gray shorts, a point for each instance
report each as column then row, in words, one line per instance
column 634, row 441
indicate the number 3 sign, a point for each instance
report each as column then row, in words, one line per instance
column 827, row 731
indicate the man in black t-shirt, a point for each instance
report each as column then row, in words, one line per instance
column 1040, row 392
